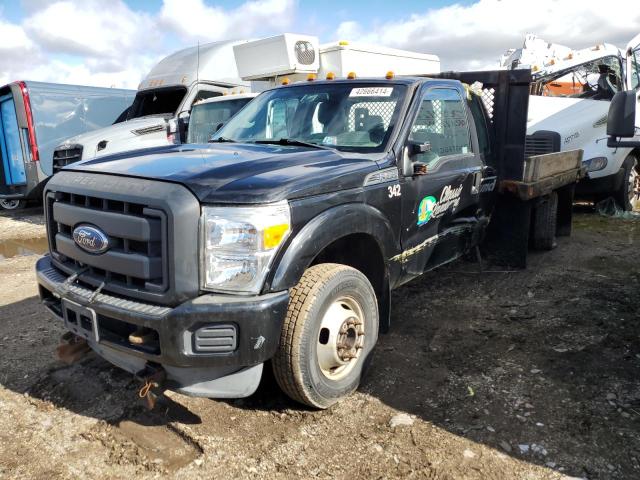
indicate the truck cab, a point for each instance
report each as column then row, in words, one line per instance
column 193, row 265
column 169, row 90
column 570, row 97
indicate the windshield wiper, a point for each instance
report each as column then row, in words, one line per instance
column 293, row 142
column 222, row 140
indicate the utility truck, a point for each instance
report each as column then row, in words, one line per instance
column 571, row 93
column 278, row 243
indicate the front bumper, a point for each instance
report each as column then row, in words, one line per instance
column 257, row 321
column 599, row 186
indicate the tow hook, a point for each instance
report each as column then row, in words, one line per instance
column 72, row 348
column 152, row 378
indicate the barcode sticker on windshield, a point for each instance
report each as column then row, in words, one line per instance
column 371, row 92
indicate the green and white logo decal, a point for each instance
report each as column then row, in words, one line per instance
column 431, row 208
column 425, row 210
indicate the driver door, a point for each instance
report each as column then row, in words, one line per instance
column 443, row 189
column 633, row 71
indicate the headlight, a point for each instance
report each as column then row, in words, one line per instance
column 239, row 243
column 595, row 164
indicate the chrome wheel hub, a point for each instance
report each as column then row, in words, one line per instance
column 9, row 204
column 634, row 185
column 341, row 338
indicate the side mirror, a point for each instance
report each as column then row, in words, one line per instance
column 411, row 167
column 183, row 126
column 172, row 130
column 621, row 121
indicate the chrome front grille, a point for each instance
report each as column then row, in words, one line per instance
column 136, row 258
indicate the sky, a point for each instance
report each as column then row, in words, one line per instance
column 116, row 42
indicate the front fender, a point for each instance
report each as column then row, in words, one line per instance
column 326, row 228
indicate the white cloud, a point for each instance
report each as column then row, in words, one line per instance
column 94, row 42
column 192, row 19
column 474, row 36
column 17, row 51
column 86, row 28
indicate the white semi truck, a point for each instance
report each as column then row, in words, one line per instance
column 171, row 88
column 570, row 98
column 227, row 71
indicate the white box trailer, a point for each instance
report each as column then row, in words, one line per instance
column 373, row 61
column 296, row 56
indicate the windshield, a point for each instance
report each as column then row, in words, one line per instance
column 356, row 117
column 206, row 117
column 597, row 80
column 156, row 102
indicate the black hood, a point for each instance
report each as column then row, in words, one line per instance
column 239, row 173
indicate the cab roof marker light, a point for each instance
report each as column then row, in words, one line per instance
column 33, row 145
column 311, row 77
column 351, row 76
column 389, row 75
column 285, row 81
column 331, row 76
column 343, row 43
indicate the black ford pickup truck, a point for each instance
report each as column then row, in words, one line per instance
column 281, row 239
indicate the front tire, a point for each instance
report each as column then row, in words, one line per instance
column 629, row 193
column 328, row 334
column 12, row 204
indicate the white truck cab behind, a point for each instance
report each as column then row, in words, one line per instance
column 171, row 88
column 568, row 109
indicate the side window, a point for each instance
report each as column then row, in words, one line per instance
column 202, row 94
column 441, row 122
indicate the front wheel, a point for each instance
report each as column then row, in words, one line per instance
column 12, row 204
column 629, row 194
column 328, row 334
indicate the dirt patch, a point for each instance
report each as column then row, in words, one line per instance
column 529, row 375
column 24, row 224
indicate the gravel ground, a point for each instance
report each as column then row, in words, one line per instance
column 531, row 375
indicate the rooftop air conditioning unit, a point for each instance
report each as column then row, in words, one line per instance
column 271, row 57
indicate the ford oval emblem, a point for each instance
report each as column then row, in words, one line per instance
column 91, row 239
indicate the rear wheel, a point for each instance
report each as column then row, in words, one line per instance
column 12, row 204
column 544, row 223
column 329, row 332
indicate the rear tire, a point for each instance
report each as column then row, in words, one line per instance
column 328, row 334
column 12, row 204
column 544, row 223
